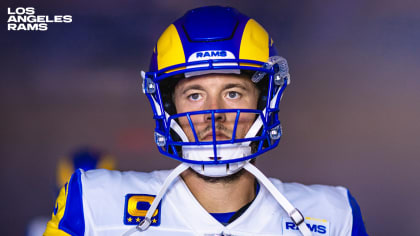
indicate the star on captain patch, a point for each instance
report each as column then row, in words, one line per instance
column 136, row 207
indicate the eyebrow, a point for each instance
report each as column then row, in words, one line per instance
column 193, row 86
column 235, row 85
column 227, row 86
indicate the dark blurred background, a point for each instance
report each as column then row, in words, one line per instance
column 350, row 117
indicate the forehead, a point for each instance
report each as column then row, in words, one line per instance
column 215, row 80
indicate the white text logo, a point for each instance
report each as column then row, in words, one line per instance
column 25, row 19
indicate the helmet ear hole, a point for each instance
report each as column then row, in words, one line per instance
column 263, row 87
column 262, row 101
column 167, row 87
column 169, row 107
column 176, row 138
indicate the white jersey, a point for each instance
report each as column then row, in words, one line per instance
column 103, row 202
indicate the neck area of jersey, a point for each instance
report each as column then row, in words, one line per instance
column 295, row 215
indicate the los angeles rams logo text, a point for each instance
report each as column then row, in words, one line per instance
column 25, row 19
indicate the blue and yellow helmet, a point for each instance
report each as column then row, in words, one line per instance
column 207, row 40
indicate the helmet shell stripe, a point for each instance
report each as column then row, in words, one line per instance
column 169, row 49
column 254, row 43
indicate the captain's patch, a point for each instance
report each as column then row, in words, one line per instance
column 316, row 226
column 136, row 206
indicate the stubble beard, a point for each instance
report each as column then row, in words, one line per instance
column 219, row 127
column 224, row 179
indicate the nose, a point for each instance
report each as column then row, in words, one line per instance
column 218, row 117
column 215, row 104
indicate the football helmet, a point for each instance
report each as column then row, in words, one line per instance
column 210, row 40
column 85, row 158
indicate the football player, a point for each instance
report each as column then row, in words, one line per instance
column 215, row 83
column 85, row 158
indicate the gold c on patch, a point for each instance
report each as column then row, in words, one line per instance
column 136, row 206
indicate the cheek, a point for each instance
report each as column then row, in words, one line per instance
column 244, row 124
column 197, row 123
column 248, row 102
column 185, row 126
column 183, row 122
column 179, row 106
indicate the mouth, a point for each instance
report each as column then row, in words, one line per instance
column 219, row 136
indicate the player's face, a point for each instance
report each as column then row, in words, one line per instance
column 216, row 91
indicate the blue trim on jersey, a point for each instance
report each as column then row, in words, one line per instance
column 223, row 217
column 358, row 228
column 73, row 221
column 257, row 189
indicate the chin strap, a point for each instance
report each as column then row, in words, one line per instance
column 145, row 223
column 293, row 212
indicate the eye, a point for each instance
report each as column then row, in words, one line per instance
column 233, row 95
column 194, row 96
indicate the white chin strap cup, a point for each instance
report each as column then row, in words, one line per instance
column 221, row 170
column 224, row 152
